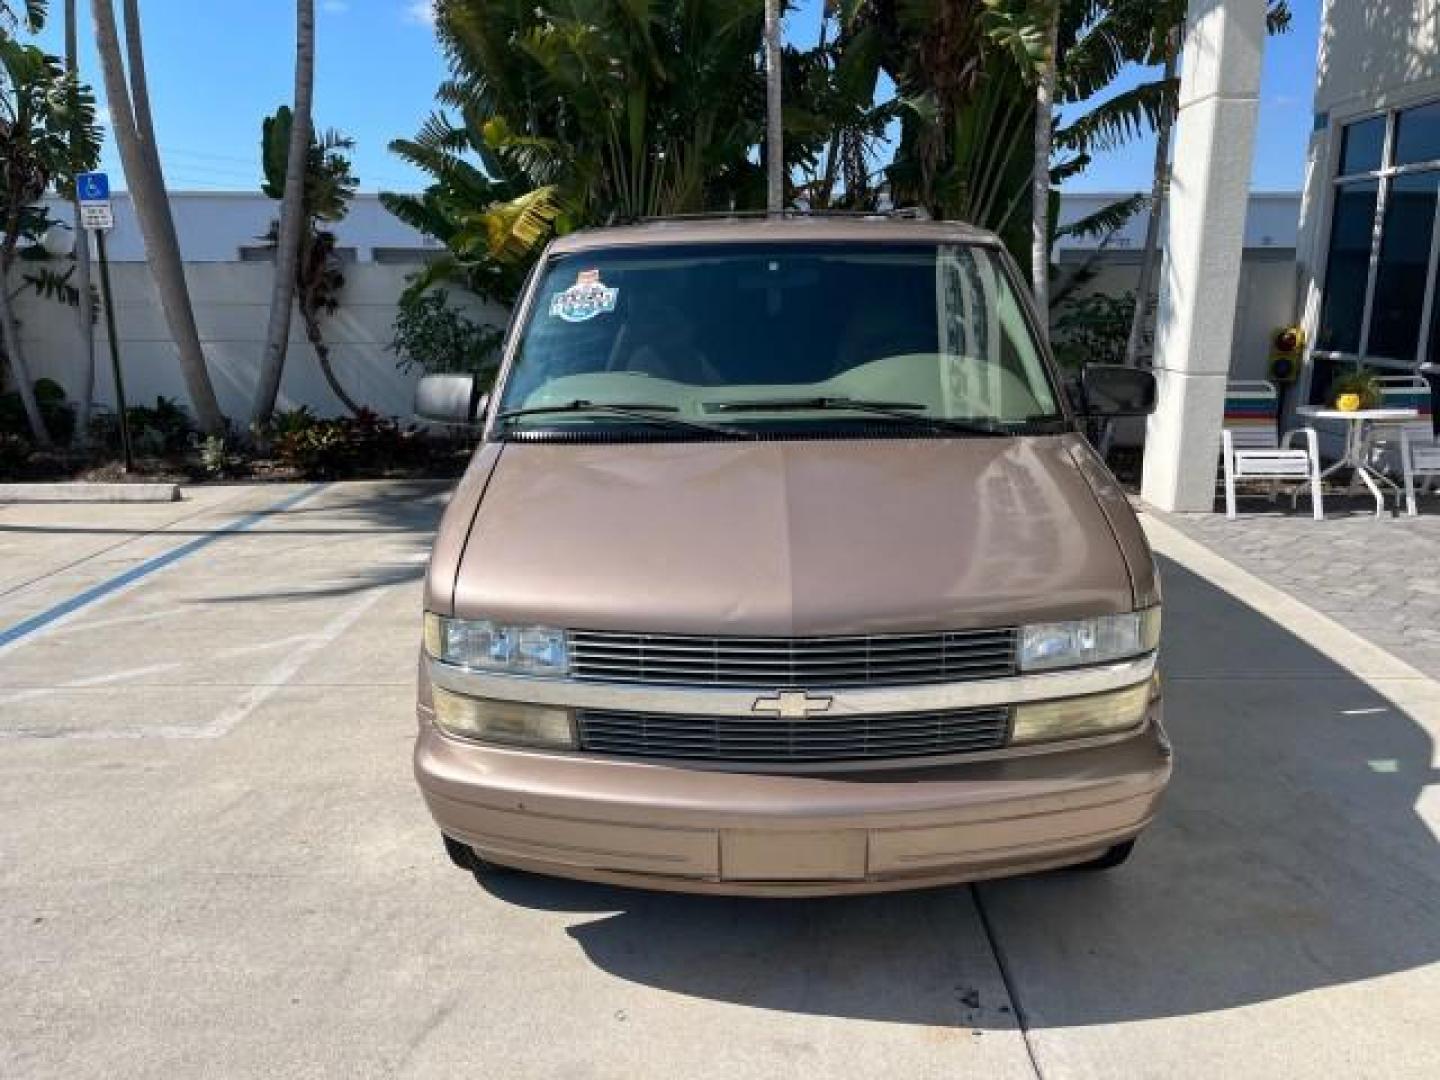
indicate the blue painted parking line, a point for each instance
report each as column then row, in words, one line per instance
column 26, row 627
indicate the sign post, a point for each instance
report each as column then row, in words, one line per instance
column 97, row 216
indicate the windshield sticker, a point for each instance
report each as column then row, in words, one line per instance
column 588, row 297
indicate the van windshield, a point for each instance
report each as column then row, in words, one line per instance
column 754, row 336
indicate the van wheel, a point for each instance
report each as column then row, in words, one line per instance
column 462, row 855
column 1111, row 859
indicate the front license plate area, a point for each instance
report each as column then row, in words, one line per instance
column 756, row 855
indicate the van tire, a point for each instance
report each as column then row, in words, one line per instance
column 1111, row 859
column 462, row 855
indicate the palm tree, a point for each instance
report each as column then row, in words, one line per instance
column 326, row 188
column 292, row 220
column 134, row 132
column 85, row 297
column 774, row 122
column 1150, row 255
column 47, row 131
column 1040, row 181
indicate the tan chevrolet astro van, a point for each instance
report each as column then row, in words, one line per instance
column 783, row 568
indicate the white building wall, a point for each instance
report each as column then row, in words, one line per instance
column 214, row 225
column 1271, row 221
column 232, row 304
column 1373, row 55
column 1371, row 50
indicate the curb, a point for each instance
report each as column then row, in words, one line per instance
column 89, row 493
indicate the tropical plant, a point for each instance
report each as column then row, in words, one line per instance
column 1092, row 329
column 1360, row 381
column 835, row 124
column 327, row 449
column 997, row 101
column 47, row 128
column 293, row 221
column 435, row 336
column 328, row 185
column 127, row 96
column 591, row 111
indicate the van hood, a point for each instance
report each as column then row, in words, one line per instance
column 790, row 538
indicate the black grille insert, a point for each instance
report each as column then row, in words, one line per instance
column 770, row 740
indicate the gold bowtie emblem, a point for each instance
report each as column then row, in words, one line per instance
column 791, row 704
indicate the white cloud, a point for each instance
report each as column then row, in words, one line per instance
column 102, row 116
column 420, row 11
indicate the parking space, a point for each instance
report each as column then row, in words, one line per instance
column 214, row 860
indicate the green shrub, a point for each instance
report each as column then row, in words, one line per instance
column 1092, row 329
column 329, row 449
column 58, row 414
column 218, row 459
column 162, row 428
column 439, row 339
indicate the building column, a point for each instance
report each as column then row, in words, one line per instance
column 1209, row 190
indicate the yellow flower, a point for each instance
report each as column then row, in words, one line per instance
column 1348, row 402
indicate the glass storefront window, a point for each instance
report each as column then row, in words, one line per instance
column 1417, row 135
column 1362, row 146
column 1382, row 245
column 1404, row 261
column 1348, row 268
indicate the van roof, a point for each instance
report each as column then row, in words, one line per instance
column 742, row 228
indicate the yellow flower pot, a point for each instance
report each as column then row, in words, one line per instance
column 1348, row 403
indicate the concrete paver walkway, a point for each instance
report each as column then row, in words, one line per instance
column 1376, row 577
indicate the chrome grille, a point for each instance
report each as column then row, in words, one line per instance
column 768, row 740
column 815, row 662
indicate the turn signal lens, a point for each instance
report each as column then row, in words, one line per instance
column 509, row 722
column 1076, row 718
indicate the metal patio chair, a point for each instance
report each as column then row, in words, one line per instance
column 1251, row 447
column 1409, row 447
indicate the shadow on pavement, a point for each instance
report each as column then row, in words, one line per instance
column 1289, row 856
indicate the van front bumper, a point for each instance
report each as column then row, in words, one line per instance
column 700, row 830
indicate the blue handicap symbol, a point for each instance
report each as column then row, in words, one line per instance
column 94, row 187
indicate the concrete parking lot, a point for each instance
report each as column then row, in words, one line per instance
column 213, row 860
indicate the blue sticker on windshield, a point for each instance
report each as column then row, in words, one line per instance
column 588, row 297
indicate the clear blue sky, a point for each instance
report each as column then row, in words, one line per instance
column 215, row 71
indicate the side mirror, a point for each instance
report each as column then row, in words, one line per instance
column 449, row 399
column 1112, row 391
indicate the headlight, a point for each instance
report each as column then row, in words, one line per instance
column 1075, row 718
column 503, row 721
column 491, row 646
column 1089, row 641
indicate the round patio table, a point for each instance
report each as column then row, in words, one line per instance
column 1353, row 458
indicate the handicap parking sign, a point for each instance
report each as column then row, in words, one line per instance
column 93, row 187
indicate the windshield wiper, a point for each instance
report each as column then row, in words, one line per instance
column 645, row 412
column 910, row 411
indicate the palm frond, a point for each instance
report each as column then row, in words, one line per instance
column 1108, row 219
column 1121, row 118
column 516, row 229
